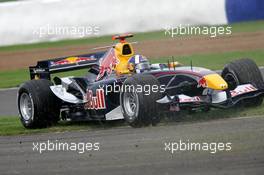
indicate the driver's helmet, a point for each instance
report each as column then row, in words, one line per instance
column 138, row 64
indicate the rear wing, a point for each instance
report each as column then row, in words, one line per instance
column 45, row 68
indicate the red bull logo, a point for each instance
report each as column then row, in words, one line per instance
column 95, row 102
column 202, row 83
column 71, row 60
column 107, row 64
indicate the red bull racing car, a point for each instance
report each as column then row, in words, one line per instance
column 120, row 84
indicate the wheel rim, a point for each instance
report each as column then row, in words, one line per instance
column 26, row 106
column 131, row 104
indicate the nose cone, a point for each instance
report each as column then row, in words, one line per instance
column 216, row 82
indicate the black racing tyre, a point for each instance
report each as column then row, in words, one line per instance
column 244, row 71
column 38, row 107
column 139, row 107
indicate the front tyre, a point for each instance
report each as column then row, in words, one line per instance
column 139, row 107
column 38, row 107
column 244, row 71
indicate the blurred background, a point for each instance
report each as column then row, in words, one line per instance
column 29, row 21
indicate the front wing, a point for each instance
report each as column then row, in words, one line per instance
column 218, row 99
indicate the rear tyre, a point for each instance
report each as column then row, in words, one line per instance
column 244, row 71
column 38, row 107
column 139, row 107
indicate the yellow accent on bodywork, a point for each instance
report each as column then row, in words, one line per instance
column 71, row 59
column 122, row 67
column 174, row 64
column 216, row 82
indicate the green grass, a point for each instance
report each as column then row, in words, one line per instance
column 12, row 126
column 212, row 61
column 15, row 77
column 238, row 27
column 252, row 26
column 7, row 0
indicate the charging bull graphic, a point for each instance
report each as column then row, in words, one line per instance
column 107, row 64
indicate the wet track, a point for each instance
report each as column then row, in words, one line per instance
column 125, row 150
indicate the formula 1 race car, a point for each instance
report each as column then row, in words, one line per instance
column 120, row 81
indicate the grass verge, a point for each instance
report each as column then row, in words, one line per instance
column 12, row 126
column 15, row 78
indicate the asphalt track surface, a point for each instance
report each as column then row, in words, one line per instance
column 8, row 106
column 126, row 150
